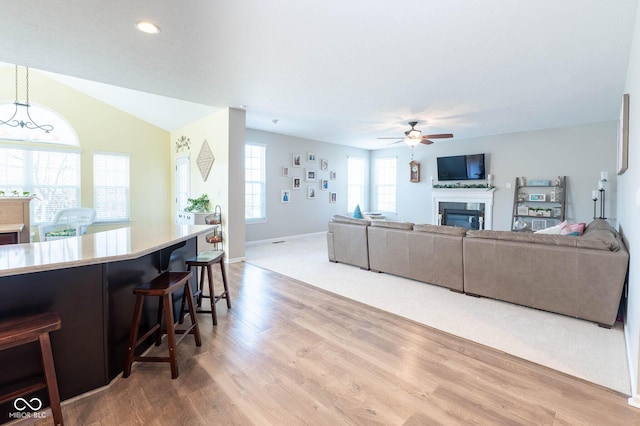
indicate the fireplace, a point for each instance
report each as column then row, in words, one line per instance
column 469, row 219
column 469, row 199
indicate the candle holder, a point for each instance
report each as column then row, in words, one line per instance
column 601, row 188
column 594, row 197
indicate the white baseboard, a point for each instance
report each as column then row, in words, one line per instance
column 279, row 239
column 634, row 401
column 236, row 260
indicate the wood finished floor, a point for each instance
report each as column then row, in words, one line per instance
column 288, row 353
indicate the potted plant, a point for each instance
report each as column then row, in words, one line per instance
column 200, row 204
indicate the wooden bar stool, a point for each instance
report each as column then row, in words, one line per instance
column 206, row 260
column 34, row 328
column 162, row 287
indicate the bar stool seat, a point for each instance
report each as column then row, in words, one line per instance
column 162, row 287
column 206, row 260
column 35, row 328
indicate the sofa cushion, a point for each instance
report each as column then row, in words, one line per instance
column 352, row 220
column 391, row 224
column 440, row 229
column 598, row 224
column 596, row 240
column 598, row 237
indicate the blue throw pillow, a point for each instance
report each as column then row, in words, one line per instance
column 357, row 213
column 573, row 234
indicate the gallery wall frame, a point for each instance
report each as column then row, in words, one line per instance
column 623, row 135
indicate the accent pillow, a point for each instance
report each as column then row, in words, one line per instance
column 574, row 227
column 555, row 230
column 357, row 213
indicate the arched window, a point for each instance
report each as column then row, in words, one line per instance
column 40, row 164
column 62, row 132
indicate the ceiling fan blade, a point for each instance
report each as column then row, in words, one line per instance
column 388, row 138
column 393, row 143
column 426, row 141
column 438, row 136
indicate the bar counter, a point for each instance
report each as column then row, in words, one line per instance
column 89, row 282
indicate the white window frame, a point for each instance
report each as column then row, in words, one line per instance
column 385, row 173
column 255, row 176
column 97, row 187
column 25, row 180
column 356, row 182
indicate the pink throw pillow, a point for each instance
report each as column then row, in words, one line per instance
column 574, row 227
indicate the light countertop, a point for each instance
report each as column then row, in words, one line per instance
column 101, row 247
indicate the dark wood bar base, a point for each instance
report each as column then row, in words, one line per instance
column 95, row 305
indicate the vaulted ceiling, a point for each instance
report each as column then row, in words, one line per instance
column 344, row 72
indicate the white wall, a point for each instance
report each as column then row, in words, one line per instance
column 300, row 215
column 578, row 152
column 629, row 207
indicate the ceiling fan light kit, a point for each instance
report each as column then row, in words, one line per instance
column 413, row 136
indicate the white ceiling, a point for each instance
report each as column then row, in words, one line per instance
column 339, row 71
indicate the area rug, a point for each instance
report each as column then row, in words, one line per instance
column 576, row 347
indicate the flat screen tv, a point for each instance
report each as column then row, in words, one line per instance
column 461, row 167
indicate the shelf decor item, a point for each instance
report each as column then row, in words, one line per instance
column 537, row 197
column 538, row 224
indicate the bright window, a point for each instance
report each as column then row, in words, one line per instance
column 53, row 176
column 385, row 184
column 62, row 132
column 255, row 182
column 355, row 183
column 182, row 183
column 111, row 187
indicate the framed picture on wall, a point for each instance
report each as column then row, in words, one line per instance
column 295, row 182
column 324, row 164
column 311, row 192
column 285, row 196
column 623, row 135
column 310, row 175
column 311, row 157
column 285, row 171
column 324, row 184
column 333, row 197
column 332, row 175
column 297, row 160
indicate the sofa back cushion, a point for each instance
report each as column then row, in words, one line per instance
column 352, row 220
column 440, row 229
column 408, row 226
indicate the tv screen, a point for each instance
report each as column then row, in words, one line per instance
column 461, row 167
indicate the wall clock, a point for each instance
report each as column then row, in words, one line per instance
column 414, row 169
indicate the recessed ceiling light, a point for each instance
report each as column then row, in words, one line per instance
column 147, row 27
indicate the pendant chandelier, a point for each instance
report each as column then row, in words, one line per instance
column 21, row 116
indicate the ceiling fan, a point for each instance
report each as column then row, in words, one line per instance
column 413, row 136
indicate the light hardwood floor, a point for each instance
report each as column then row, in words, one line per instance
column 288, row 353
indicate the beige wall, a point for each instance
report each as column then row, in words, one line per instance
column 101, row 127
column 224, row 133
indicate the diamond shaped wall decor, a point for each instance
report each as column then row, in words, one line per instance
column 205, row 160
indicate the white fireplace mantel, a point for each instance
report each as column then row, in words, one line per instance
column 464, row 195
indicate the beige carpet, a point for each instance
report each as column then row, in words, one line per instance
column 579, row 348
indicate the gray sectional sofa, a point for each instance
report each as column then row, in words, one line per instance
column 582, row 277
